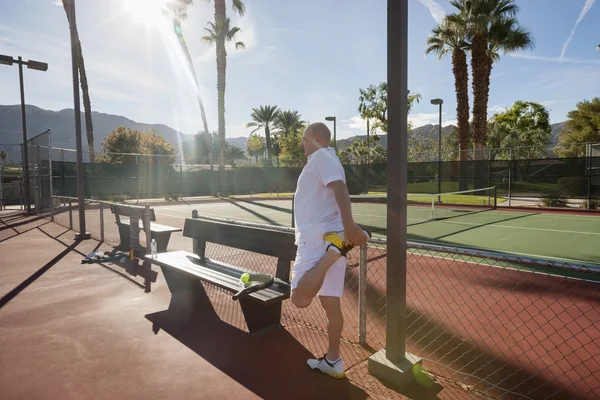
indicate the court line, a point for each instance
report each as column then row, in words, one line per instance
column 497, row 225
column 566, row 260
column 501, row 267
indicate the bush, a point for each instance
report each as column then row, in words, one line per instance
column 118, row 198
column 555, row 199
column 594, row 204
column 573, row 186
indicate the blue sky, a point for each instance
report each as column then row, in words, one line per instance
column 310, row 56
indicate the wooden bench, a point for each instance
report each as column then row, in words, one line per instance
column 186, row 272
column 158, row 232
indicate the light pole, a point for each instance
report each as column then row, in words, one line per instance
column 83, row 234
column 439, row 102
column 40, row 66
column 334, row 133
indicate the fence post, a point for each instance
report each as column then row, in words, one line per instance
column 101, row 222
column 147, row 228
column 362, row 296
column 509, row 177
column 70, row 216
column 293, row 223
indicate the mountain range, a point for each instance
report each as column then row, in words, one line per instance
column 62, row 127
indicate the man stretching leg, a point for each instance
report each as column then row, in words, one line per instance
column 322, row 205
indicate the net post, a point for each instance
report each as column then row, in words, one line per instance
column 495, row 197
column 362, row 296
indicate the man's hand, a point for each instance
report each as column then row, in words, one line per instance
column 355, row 235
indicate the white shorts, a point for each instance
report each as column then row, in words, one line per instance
column 307, row 256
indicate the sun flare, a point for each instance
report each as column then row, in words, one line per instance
column 148, row 12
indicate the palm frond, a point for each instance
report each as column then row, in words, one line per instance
column 240, row 46
column 208, row 39
column 239, row 7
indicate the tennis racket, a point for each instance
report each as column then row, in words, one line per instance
column 257, row 282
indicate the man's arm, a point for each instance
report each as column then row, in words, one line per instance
column 352, row 232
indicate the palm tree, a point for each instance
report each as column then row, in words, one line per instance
column 220, row 34
column 177, row 11
column 450, row 37
column 264, row 117
column 288, row 122
column 87, row 104
column 491, row 27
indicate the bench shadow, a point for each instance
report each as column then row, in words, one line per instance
column 254, row 362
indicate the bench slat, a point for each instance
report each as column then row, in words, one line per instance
column 257, row 240
column 131, row 211
column 220, row 274
column 154, row 226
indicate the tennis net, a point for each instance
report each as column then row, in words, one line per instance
column 422, row 207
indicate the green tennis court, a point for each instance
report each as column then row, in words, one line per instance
column 560, row 237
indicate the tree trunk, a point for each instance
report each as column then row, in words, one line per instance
column 479, row 71
column 268, row 143
column 186, row 52
column 461, row 84
column 87, row 104
column 220, row 16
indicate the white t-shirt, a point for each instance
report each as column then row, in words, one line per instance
column 315, row 207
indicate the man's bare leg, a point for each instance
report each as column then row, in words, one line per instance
column 335, row 323
column 312, row 280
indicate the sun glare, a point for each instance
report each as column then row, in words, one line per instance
column 148, row 12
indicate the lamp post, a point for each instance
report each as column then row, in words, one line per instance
column 334, row 133
column 40, row 66
column 439, row 102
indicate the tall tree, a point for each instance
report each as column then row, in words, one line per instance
column 220, row 33
column 123, row 140
column 87, row 104
column 491, row 28
column 288, row 122
column 176, row 10
column 583, row 126
column 450, row 37
column 521, row 132
column 373, row 104
column 255, row 145
column 264, row 117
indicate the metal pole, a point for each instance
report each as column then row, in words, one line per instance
column 396, row 206
column 362, row 296
column 25, row 147
column 102, row 222
column 440, row 156
column 509, row 177
column 83, row 234
column 335, row 133
column 50, row 172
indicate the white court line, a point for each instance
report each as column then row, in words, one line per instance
column 497, row 225
column 573, row 260
column 501, row 267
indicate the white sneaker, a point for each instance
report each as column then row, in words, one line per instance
column 335, row 370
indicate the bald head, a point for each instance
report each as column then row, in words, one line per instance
column 316, row 136
column 320, row 130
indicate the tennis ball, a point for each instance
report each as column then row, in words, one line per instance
column 245, row 278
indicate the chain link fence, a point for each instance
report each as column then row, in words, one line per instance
column 487, row 324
